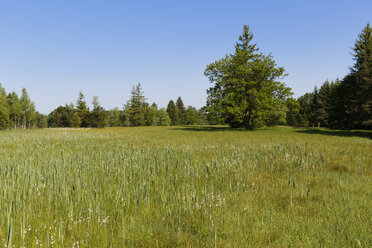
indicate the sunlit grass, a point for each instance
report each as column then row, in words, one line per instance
column 185, row 186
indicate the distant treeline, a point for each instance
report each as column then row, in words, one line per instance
column 237, row 98
column 136, row 112
column 19, row 112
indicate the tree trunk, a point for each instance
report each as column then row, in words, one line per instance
column 248, row 122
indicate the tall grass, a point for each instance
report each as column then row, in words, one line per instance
column 198, row 187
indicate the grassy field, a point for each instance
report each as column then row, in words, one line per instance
column 185, row 187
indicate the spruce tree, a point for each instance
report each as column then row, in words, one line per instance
column 136, row 107
column 98, row 116
column 362, row 85
column 181, row 111
column 322, row 103
column 75, row 120
column 82, row 110
column 172, row 111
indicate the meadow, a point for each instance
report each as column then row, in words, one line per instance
column 185, row 187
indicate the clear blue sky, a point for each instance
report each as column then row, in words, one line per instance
column 57, row 48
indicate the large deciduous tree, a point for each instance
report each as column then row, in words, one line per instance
column 246, row 85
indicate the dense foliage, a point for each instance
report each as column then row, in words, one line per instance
column 19, row 112
column 247, row 91
column 136, row 112
column 346, row 103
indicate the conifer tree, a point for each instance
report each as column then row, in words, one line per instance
column 181, row 111
column 98, row 116
column 82, row 110
column 136, row 107
column 172, row 111
column 362, row 85
column 246, row 87
column 75, row 120
column 322, row 103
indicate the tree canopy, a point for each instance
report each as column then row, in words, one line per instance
column 247, row 87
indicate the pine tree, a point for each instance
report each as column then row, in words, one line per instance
column 82, row 110
column 362, row 85
column 98, row 116
column 181, row 111
column 172, row 111
column 75, row 120
column 136, row 107
column 336, row 113
column 322, row 103
column 313, row 118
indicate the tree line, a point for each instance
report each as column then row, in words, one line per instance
column 342, row 104
column 19, row 112
column 247, row 92
column 136, row 112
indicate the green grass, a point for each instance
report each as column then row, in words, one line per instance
column 186, row 187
